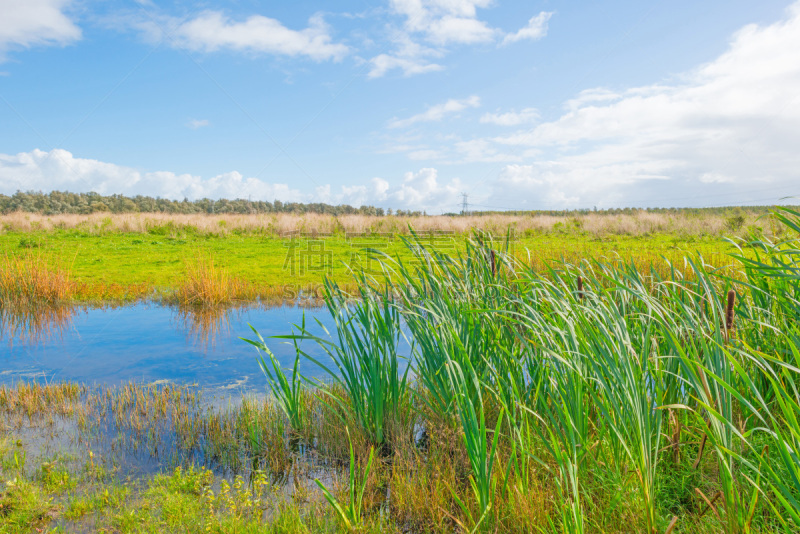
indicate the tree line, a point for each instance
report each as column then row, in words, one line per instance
column 62, row 202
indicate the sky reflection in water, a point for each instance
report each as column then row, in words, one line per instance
column 152, row 343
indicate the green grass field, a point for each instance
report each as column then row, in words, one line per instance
column 127, row 265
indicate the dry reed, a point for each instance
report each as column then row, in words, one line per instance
column 29, row 280
column 592, row 224
column 208, row 284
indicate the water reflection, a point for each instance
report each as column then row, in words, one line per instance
column 205, row 324
column 35, row 325
column 149, row 343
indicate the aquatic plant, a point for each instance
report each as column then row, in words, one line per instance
column 351, row 513
column 365, row 353
column 287, row 393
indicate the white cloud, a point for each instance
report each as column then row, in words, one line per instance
column 383, row 63
column 482, row 150
column 461, row 30
column 419, row 190
column 60, row 170
column 534, row 30
column 211, row 31
column 438, row 112
column 27, row 23
column 726, row 133
column 381, row 189
column 443, row 23
column 324, row 193
column 409, row 56
column 592, row 96
column 422, row 191
column 511, row 118
column 195, row 124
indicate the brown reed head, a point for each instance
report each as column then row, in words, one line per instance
column 729, row 312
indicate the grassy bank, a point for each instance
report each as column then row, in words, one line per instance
column 98, row 266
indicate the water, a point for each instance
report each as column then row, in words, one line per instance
column 151, row 343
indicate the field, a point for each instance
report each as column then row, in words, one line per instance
column 607, row 392
column 129, row 257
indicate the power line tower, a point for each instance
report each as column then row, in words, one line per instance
column 465, row 204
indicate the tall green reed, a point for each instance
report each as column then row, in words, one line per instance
column 365, row 355
column 289, row 394
column 584, row 362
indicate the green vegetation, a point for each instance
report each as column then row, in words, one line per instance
column 112, row 266
column 563, row 383
column 613, row 394
column 268, row 486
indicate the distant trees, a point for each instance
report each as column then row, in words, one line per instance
column 58, row 202
column 62, row 202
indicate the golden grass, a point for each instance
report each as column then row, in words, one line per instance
column 208, row 291
column 29, row 280
column 208, row 284
column 33, row 399
column 595, row 224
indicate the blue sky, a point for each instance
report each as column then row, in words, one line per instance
column 405, row 103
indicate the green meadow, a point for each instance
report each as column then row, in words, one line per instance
column 128, row 265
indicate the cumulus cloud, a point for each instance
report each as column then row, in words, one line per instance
column 211, row 31
column 511, row 118
column 60, row 170
column 438, row 112
column 419, row 191
column 459, row 30
column 27, row 23
column 726, row 133
column 423, row 189
column 409, row 56
column 445, row 21
column 534, row 30
column 442, row 24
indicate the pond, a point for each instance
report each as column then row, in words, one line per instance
column 151, row 343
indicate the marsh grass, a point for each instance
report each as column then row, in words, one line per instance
column 173, row 263
column 31, row 280
column 637, row 222
column 34, row 282
column 602, row 380
column 208, row 284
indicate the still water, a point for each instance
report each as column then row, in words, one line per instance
column 150, row 343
